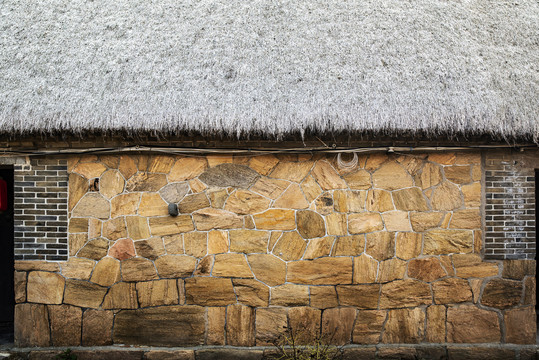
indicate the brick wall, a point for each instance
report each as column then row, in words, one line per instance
column 41, row 210
column 510, row 205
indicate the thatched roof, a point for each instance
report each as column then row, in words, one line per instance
column 271, row 67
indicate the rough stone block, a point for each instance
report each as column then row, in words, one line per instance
column 31, row 325
column 97, row 327
column 290, row 295
column 209, row 291
column 337, row 325
column 368, row 326
column 360, row 296
column 322, row 271
column 270, row 324
column 240, row 325
column 45, row 287
column 469, row 324
column 404, row 326
column 84, row 294
column 66, row 325
column 268, row 268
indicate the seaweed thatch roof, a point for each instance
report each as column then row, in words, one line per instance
column 271, row 67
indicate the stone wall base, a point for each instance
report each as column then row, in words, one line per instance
column 426, row 351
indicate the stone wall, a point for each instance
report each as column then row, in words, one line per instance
column 387, row 252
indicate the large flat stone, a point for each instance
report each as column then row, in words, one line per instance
column 268, row 268
column 469, row 324
column 270, row 324
column 405, row 293
column 161, row 326
column 304, row 324
column 521, row 326
column 240, row 325
column 208, row 219
column 138, row 269
column 31, row 325
column 381, row 245
column 426, row 269
column 246, row 202
column 143, row 181
column 368, row 326
column 66, row 325
column 404, row 326
column 231, row 265
column 174, row 266
column 208, row 291
column 451, row 291
column 275, row 219
column 310, row 224
column 327, row 177
column 337, row 325
column 174, row 192
column 92, row 205
column 249, row 241
column 251, row 292
column 439, row 242
column 364, row 223
column 225, row 175
column 45, row 287
column 121, row 296
column 360, row 296
column 502, row 294
column 322, row 271
column 290, row 246
column 97, row 327
column 290, row 295
column 170, row 225
column 84, row 294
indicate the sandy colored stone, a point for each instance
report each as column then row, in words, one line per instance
column 310, row 224
column 174, row 266
column 451, row 291
column 127, row 166
column 469, row 324
column 204, row 266
column 405, row 293
column 426, row 269
column 290, row 246
column 359, row 296
column 185, row 326
column 246, row 202
column 45, row 287
column 355, row 201
column 438, row 242
column 408, row 245
column 271, row 188
column 472, row 194
column 194, row 202
column 186, row 169
column 351, row 245
column 472, row 266
column 422, row 221
column 124, row 204
column 368, row 326
column 94, row 249
column 84, row 294
column 458, row 174
column 30, row 265
column 475, row 285
column 231, row 265
column 327, row 177
column 292, row 171
column 443, row 158
column 447, row 263
column 208, row 219
column 436, row 320
column 251, row 292
column 365, row 269
column 304, row 323
column 381, row 245
column 160, row 163
column 374, row 161
column 324, row 204
column 275, row 235
column 337, row 224
column 32, row 325
column 78, row 225
column 151, row 204
column 431, row 175
column 174, row 192
column 114, row 229
column 137, row 227
column 78, row 268
column 323, row 297
column 502, row 294
column 521, row 326
column 106, row 272
column 217, row 242
column 292, row 198
column 290, row 295
column 318, row 247
column 240, row 325
column 379, row 201
column 20, row 286
column 217, row 159
column 310, row 188
column 215, row 333
column 263, row 164
column 151, row 248
column 465, row 219
column 122, row 249
column 358, row 180
column 364, row 223
column 391, row 176
column 209, row 291
column 143, row 181
column 322, row 271
column 478, row 241
column 337, row 325
column 111, row 184
column 95, row 227
column 78, row 186
column 169, row 225
column 404, row 326
column 248, row 241
column 197, row 186
column 90, row 170
column 518, row 269
column 157, row 293
column 270, row 324
column 76, row 242
column 138, row 269
column 446, row 196
column 121, row 296
column 396, row 221
column 411, row 199
column 92, row 205
column 196, row 244
column 97, row 327
column 268, row 268
column 392, row 269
